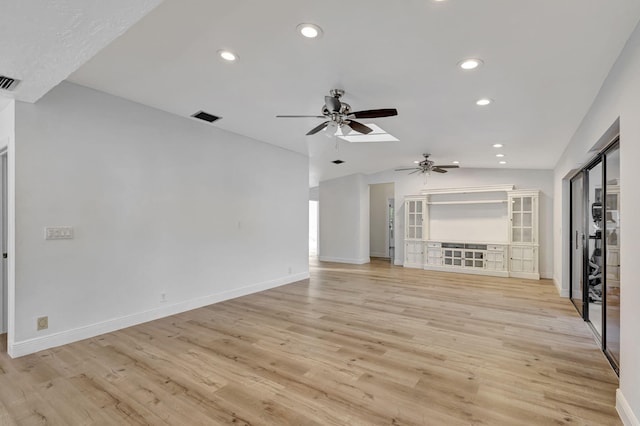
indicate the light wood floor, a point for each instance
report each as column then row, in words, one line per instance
column 355, row 345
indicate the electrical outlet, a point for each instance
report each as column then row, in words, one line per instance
column 43, row 323
column 58, row 233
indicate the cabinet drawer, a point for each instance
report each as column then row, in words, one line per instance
column 438, row 245
column 494, row 247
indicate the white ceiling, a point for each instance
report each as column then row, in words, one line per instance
column 45, row 41
column 545, row 61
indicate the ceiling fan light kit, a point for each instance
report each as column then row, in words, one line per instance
column 427, row 166
column 338, row 115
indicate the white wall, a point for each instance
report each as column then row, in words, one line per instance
column 523, row 179
column 159, row 204
column 378, row 223
column 344, row 220
column 7, row 120
column 618, row 98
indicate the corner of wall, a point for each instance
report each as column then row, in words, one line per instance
column 563, row 292
column 353, row 261
column 624, row 410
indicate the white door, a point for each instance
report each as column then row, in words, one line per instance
column 3, row 242
column 391, row 214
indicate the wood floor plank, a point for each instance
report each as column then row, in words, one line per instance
column 354, row 345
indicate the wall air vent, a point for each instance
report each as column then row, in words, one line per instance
column 8, row 83
column 205, row 116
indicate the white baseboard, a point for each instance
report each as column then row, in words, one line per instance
column 397, row 262
column 546, row 275
column 30, row 346
column 563, row 292
column 345, row 260
column 624, row 410
column 525, row 275
column 470, row 271
column 376, row 254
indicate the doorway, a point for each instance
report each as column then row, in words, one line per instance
column 391, row 214
column 381, row 211
column 595, row 248
column 3, row 241
column 313, row 228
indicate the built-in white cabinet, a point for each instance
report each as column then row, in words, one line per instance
column 434, row 253
column 413, row 254
column 472, row 258
column 497, row 257
column 414, row 225
column 415, row 218
column 512, row 215
column 523, row 234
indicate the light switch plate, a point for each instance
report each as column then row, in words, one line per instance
column 58, row 233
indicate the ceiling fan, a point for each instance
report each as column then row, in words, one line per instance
column 338, row 114
column 427, row 166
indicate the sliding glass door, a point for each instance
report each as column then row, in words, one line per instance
column 594, row 277
column 595, row 248
column 612, row 255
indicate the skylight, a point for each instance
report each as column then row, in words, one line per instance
column 378, row 135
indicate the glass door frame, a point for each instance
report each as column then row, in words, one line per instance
column 614, row 145
column 584, row 308
column 601, row 158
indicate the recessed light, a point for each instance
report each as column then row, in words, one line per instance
column 499, row 155
column 497, row 145
column 309, row 30
column 456, row 162
column 227, row 55
column 503, row 162
column 470, row 64
column 484, row 102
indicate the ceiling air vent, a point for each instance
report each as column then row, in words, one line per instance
column 205, row 116
column 8, row 83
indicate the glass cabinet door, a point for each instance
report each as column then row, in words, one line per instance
column 415, row 219
column 522, row 219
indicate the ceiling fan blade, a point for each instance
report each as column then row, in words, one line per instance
column 438, row 170
column 300, row 116
column 359, row 127
column 375, row 113
column 410, row 168
column 317, row 128
column 452, row 166
column 418, row 170
column 332, row 104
